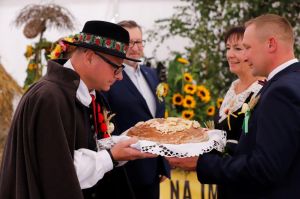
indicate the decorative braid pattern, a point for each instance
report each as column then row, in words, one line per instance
column 103, row 42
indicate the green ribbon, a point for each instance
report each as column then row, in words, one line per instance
column 246, row 122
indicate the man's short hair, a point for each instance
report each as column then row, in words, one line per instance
column 273, row 24
column 129, row 24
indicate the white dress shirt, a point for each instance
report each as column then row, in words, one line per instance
column 141, row 84
column 90, row 165
column 281, row 67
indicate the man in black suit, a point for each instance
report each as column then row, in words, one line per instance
column 133, row 99
column 266, row 163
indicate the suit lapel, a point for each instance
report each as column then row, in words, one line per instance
column 152, row 85
column 149, row 79
column 130, row 85
column 292, row 68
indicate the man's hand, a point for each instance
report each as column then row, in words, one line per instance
column 188, row 164
column 122, row 151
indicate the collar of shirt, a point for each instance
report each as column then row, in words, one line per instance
column 82, row 93
column 281, row 67
column 140, row 82
column 132, row 71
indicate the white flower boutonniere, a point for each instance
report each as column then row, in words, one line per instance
column 246, row 109
column 162, row 91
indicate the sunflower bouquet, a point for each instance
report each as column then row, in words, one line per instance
column 185, row 94
column 36, row 19
column 35, row 54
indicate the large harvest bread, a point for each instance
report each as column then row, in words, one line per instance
column 169, row 131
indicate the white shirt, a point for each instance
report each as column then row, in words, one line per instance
column 90, row 165
column 141, row 84
column 281, row 67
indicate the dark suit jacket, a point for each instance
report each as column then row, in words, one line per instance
column 266, row 163
column 130, row 107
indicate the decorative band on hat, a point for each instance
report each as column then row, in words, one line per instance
column 103, row 42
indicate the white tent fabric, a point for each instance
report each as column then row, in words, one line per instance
column 145, row 12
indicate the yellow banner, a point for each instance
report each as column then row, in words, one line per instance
column 185, row 185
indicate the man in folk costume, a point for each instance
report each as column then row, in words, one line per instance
column 51, row 150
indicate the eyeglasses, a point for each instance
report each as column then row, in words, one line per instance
column 139, row 43
column 118, row 68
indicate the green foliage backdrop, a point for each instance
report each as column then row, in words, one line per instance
column 204, row 22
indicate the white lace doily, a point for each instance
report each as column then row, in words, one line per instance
column 217, row 140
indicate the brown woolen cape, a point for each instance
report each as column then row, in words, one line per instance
column 47, row 127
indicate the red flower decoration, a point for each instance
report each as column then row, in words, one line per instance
column 108, row 42
column 97, row 42
column 118, row 47
column 226, row 111
column 63, row 45
column 100, row 117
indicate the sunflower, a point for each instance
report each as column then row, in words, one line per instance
column 29, row 51
column 188, row 77
column 187, row 114
column 189, row 102
column 190, row 88
column 177, row 99
column 210, row 111
column 32, row 66
column 166, row 89
column 166, row 114
column 162, row 91
column 203, row 93
column 182, row 60
column 219, row 102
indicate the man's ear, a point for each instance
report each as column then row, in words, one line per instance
column 88, row 56
column 272, row 44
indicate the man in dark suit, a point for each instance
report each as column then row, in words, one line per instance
column 133, row 100
column 266, row 163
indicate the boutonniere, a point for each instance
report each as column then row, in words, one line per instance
column 246, row 109
column 107, row 128
column 162, row 91
column 107, row 117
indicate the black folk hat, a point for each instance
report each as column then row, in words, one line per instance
column 105, row 37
